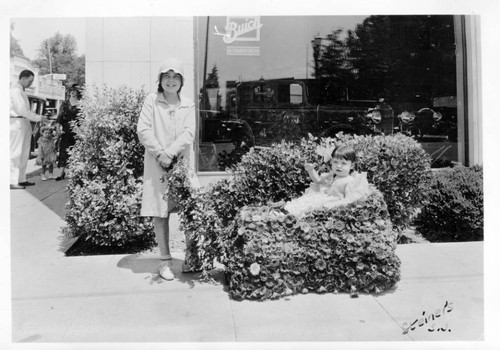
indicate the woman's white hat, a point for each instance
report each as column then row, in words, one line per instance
column 170, row 64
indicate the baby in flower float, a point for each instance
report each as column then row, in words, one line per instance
column 342, row 185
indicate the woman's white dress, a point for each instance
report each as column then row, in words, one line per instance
column 327, row 194
column 161, row 128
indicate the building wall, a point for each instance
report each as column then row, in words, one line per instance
column 115, row 59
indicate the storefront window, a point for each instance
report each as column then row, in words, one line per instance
column 267, row 79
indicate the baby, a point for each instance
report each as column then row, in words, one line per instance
column 342, row 185
column 46, row 152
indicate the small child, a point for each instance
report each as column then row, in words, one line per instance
column 47, row 151
column 342, row 185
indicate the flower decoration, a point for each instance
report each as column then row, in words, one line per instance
column 256, row 218
column 320, row 264
column 305, row 227
column 326, row 150
column 269, row 254
column 255, row 269
column 322, row 254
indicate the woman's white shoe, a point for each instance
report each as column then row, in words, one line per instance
column 165, row 270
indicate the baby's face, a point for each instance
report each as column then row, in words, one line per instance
column 47, row 134
column 341, row 167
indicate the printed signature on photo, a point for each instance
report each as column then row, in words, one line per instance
column 434, row 320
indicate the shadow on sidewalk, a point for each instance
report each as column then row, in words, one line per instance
column 138, row 264
column 51, row 193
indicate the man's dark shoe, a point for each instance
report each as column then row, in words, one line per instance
column 26, row 183
column 16, row 187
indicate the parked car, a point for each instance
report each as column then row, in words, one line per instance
column 260, row 113
column 266, row 111
column 428, row 124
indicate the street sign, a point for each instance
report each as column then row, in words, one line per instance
column 58, row 76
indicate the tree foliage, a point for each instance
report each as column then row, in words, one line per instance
column 63, row 58
column 15, row 48
column 211, row 87
column 401, row 58
column 213, row 78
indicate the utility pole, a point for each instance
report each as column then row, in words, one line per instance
column 205, row 97
column 307, row 61
column 50, row 56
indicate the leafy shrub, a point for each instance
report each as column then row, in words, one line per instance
column 271, row 174
column 198, row 220
column 105, row 170
column 269, row 254
column 454, row 208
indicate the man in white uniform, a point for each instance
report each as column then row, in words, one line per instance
column 20, row 130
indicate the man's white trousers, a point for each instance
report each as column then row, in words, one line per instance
column 20, row 139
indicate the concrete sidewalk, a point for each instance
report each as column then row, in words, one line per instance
column 119, row 298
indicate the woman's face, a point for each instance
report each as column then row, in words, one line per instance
column 171, row 82
column 73, row 94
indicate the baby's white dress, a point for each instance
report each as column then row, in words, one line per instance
column 327, row 194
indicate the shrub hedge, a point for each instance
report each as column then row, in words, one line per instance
column 454, row 209
column 105, row 173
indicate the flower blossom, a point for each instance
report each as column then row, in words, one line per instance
column 255, row 269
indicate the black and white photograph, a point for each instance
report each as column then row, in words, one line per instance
column 272, row 174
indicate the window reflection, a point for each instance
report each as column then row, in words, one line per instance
column 289, row 76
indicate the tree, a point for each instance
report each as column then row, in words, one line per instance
column 213, row 78
column 211, row 89
column 404, row 58
column 333, row 74
column 15, row 48
column 370, row 56
column 62, row 59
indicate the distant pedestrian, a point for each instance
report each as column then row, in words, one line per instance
column 47, row 152
column 20, row 130
column 166, row 128
column 68, row 113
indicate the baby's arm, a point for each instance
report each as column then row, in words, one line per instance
column 313, row 174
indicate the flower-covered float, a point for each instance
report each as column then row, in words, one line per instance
column 349, row 248
column 267, row 253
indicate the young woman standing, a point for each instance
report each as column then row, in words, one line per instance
column 166, row 128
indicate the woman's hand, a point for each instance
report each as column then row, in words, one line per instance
column 164, row 160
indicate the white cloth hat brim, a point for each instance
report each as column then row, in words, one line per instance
column 175, row 70
column 170, row 64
